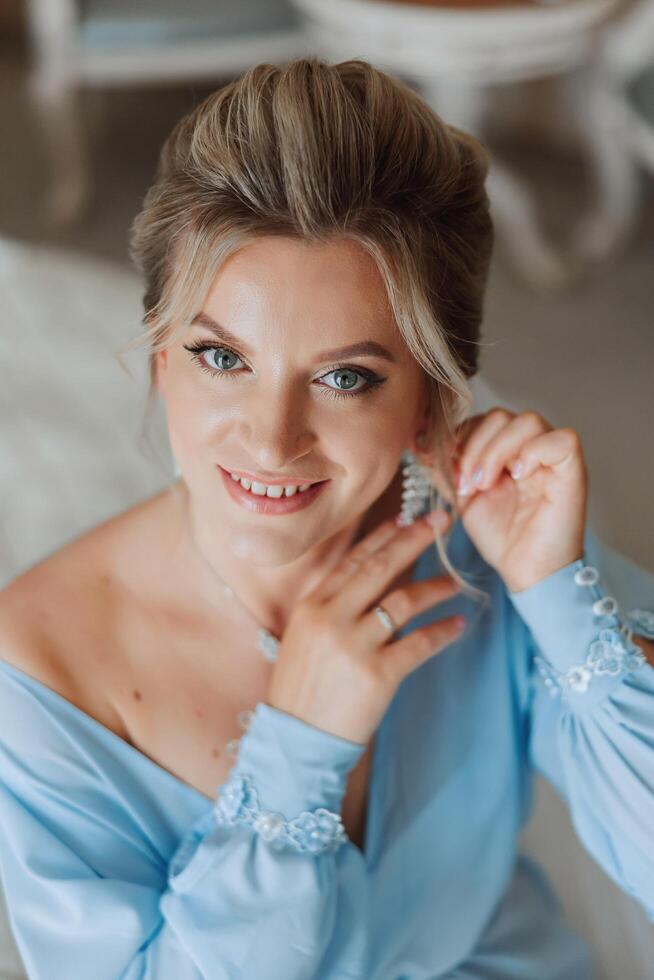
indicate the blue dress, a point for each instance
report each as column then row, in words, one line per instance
column 114, row 868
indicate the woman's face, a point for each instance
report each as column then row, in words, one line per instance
column 276, row 400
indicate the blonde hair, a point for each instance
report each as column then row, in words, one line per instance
column 321, row 152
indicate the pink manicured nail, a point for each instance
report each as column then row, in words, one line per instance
column 463, row 486
column 437, row 518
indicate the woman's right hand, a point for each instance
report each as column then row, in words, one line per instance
column 335, row 667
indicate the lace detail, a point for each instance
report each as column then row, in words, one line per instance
column 613, row 652
column 314, row 831
column 643, row 621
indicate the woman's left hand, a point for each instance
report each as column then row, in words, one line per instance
column 529, row 523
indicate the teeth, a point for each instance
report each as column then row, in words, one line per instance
column 262, row 490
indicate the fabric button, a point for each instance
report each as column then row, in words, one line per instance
column 606, row 606
column 578, row 679
column 588, row 575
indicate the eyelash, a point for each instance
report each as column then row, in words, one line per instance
column 373, row 380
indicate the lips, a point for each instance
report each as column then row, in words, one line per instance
column 259, row 504
column 291, row 480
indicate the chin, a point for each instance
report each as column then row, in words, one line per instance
column 260, row 551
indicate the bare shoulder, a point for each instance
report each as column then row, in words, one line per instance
column 60, row 620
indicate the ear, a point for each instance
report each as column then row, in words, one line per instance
column 421, row 422
column 160, row 369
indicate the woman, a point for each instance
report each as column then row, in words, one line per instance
column 315, row 248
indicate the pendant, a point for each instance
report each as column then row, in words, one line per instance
column 267, row 644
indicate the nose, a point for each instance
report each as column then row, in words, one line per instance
column 276, row 432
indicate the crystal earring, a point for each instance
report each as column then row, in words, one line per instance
column 417, row 489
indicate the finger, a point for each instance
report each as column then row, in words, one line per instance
column 375, row 573
column 463, row 432
column 493, row 422
column 502, row 448
column 404, row 656
column 438, row 471
column 558, row 449
column 404, row 603
column 335, row 579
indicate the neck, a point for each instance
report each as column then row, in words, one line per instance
column 270, row 594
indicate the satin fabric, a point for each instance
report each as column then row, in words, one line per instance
column 114, row 868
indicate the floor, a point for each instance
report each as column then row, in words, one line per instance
column 582, row 357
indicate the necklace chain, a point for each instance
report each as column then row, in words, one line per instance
column 267, row 642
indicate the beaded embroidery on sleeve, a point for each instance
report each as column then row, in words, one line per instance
column 313, row 831
column 613, row 652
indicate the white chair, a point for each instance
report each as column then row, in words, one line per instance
column 630, row 58
column 83, row 43
column 458, row 57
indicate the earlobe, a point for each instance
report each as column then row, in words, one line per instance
column 160, row 365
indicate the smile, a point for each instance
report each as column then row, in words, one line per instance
column 264, row 498
column 269, row 489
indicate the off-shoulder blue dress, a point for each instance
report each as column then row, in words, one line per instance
column 115, row 868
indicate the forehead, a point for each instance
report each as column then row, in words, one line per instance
column 333, row 284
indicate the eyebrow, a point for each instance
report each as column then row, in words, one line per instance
column 364, row 348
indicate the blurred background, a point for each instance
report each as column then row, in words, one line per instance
column 561, row 92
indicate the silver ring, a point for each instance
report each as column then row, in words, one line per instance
column 385, row 618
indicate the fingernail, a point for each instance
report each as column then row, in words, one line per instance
column 437, row 518
column 463, row 486
column 516, row 470
column 459, row 622
column 478, row 476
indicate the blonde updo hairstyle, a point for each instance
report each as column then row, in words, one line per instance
column 319, row 152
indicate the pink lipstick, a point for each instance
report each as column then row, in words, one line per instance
column 270, row 505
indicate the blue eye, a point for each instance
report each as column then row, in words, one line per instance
column 222, row 368
column 345, row 391
column 372, row 380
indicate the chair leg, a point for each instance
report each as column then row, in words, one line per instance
column 516, row 219
column 512, row 204
column 57, row 107
column 601, row 124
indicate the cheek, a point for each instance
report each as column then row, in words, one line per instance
column 369, row 466
column 382, row 437
column 193, row 416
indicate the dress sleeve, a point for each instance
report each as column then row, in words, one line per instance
column 591, row 705
column 251, row 890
